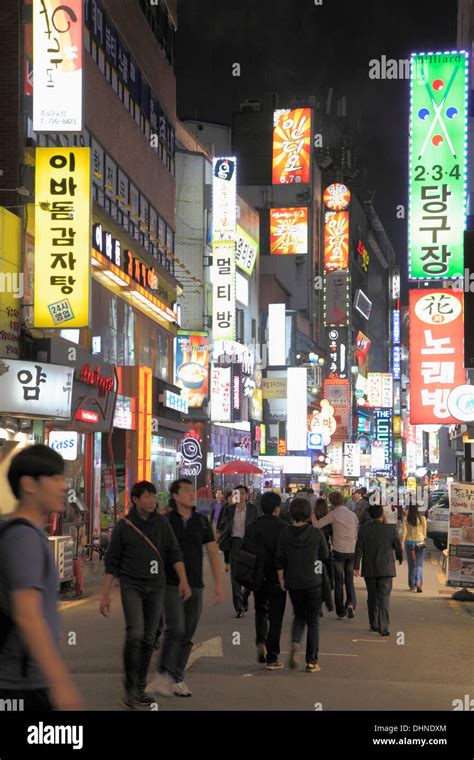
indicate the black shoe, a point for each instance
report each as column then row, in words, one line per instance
column 350, row 612
column 375, row 630
column 146, row 700
column 240, row 614
column 130, row 703
column 341, row 617
column 385, row 633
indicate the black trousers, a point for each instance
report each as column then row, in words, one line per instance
column 270, row 602
column 142, row 608
column 378, row 602
column 237, row 595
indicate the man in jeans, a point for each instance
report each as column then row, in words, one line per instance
column 140, row 546
column 344, row 537
column 270, row 600
column 192, row 531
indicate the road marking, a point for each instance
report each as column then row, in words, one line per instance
column 68, row 605
column 209, row 648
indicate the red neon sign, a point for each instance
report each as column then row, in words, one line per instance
column 84, row 415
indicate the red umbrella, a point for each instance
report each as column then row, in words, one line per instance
column 238, row 468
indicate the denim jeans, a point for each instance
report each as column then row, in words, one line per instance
column 142, row 609
column 307, row 608
column 182, row 619
column 270, row 602
column 344, row 576
column 415, row 564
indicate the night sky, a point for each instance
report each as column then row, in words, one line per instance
column 296, row 48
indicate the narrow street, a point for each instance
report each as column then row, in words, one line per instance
column 360, row 670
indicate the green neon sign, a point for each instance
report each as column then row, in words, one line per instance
column 438, row 165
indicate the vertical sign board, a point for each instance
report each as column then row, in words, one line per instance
column 336, row 240
column 351, row 460
column 461, row 536
column 192, row 367
column 62, row 238
column 57, row 70
column 276, row 334
column 291, row 146
column 224, row 221
column 288, row 231
column 297, row 400
column 438, row 165
column 336, row 299
column 384, row 435
column 436, row 338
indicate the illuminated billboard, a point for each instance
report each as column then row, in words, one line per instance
column 246, row 251
column 192, row 367
column 291, row 146
column 62, row 238
column 288, row 231
column 337, row 197
column 336, row 240
column 57, row 70
column 297, row 404
column 437, row 340
column 438, row 164
column 384, row 436
column 337, row 340
column 224, row 201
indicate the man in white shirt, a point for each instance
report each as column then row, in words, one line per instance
column 344, row 538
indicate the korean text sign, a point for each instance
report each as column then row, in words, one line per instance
column 35, row 388
column 437, row 178
column 57, row 70
column 461, row 536
column 436, row 340
column 224, row 198
column 291, row 146
column 62, row 238
column 288, row 230
column 336, row 240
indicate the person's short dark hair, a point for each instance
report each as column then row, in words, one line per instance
column 138, row 489
column 242, row 488
column 336, row 499
column 300, row 509
column 269, row 502
column 375, row 511
column 176, row 484
column 310, row 490
column 321, row 508
column 228, row 494
column 362, row 491
column 37, row 462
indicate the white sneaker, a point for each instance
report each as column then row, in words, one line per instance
column 161, row 685
column 181, row 690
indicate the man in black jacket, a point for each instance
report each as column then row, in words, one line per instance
column 376, row 544
column 140, row 546
column 236, row 519
column 270, row 600
column 301, row 554
column 362, row 505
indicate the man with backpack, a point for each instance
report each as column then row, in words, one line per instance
column 261, row 541
column 142, row 545
column 31, row 666
column 192, row 531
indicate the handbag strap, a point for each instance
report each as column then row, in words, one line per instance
column 145, row 538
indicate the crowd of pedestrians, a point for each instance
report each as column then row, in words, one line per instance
column 304, row 548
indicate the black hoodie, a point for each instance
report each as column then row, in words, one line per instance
column 299, row 548
column 131, row 559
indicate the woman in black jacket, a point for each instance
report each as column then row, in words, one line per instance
column 321, row 509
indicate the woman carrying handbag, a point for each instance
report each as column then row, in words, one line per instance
column 414, row 537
